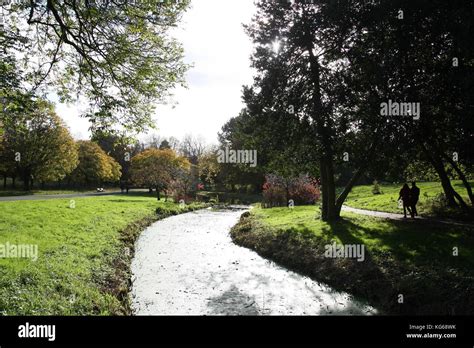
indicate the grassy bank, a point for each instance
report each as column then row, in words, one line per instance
column 84, row 252
column 411, row 258
column 363, row 198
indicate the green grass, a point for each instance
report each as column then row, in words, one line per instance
column 412, row 242
column 79, row 248
column 363, row 198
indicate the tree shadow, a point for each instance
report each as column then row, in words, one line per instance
column 417, row 241
column 414, row 259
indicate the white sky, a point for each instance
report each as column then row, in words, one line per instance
column 216, row 44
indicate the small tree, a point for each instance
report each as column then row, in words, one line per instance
column 157, row 168
column 376, row 188
column 185, row 183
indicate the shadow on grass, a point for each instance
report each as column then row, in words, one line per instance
column 417, row 242
column 399, row 260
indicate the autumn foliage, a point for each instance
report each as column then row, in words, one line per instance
column 158, row 169
column 278, row 191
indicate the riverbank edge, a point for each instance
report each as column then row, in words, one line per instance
column 118, row 283
column 379, row 281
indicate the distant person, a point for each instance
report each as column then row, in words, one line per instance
column 414, row 196
column 405, row 197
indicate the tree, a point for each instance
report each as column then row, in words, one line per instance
column 192, row 147
column 283, row 141
column 9, row 91
column 120, row 147
column 303, row 78
column 117, row 54
column 330, row 64
column 209, row 168
column 157, row 168
column 165, row 145
column 184, row 182
column 36, row 141
column 426, row 57
column 95, row 166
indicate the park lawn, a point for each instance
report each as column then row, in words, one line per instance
column 362, row 197
column 411, row 242
column 413, row 257
column 79, row 252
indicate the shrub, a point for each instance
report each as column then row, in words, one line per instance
column 376, row 188
column 438, row 205
column 304, row 190
column 274, row 196
column 277, row 191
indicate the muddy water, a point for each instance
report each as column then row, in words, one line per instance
column 188, row 265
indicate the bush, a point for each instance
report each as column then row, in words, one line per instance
column 438, row 206
column 376, row 188
column 273, row 196
column 277, row 191
column 304, row 190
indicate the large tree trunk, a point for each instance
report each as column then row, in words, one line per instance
column 328, row 211
column 448, row 189
column 446, row 183
column 462, row 177
column 342, row 197
column 324, row 190
column 331, row 191
column 437, row 164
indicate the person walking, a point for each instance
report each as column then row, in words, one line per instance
column 414, row 197
column 405, row 197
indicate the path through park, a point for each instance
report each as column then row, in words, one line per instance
column 400, row 217
column 188, row 265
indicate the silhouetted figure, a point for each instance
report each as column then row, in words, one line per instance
column 405, row 197
column 414, row 196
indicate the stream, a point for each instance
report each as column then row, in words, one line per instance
column 188, row 265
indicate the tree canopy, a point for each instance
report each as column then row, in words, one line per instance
column 323, row 70
column 118, row 55
column 156, row 168
column 95, row 166
column 36, row 143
